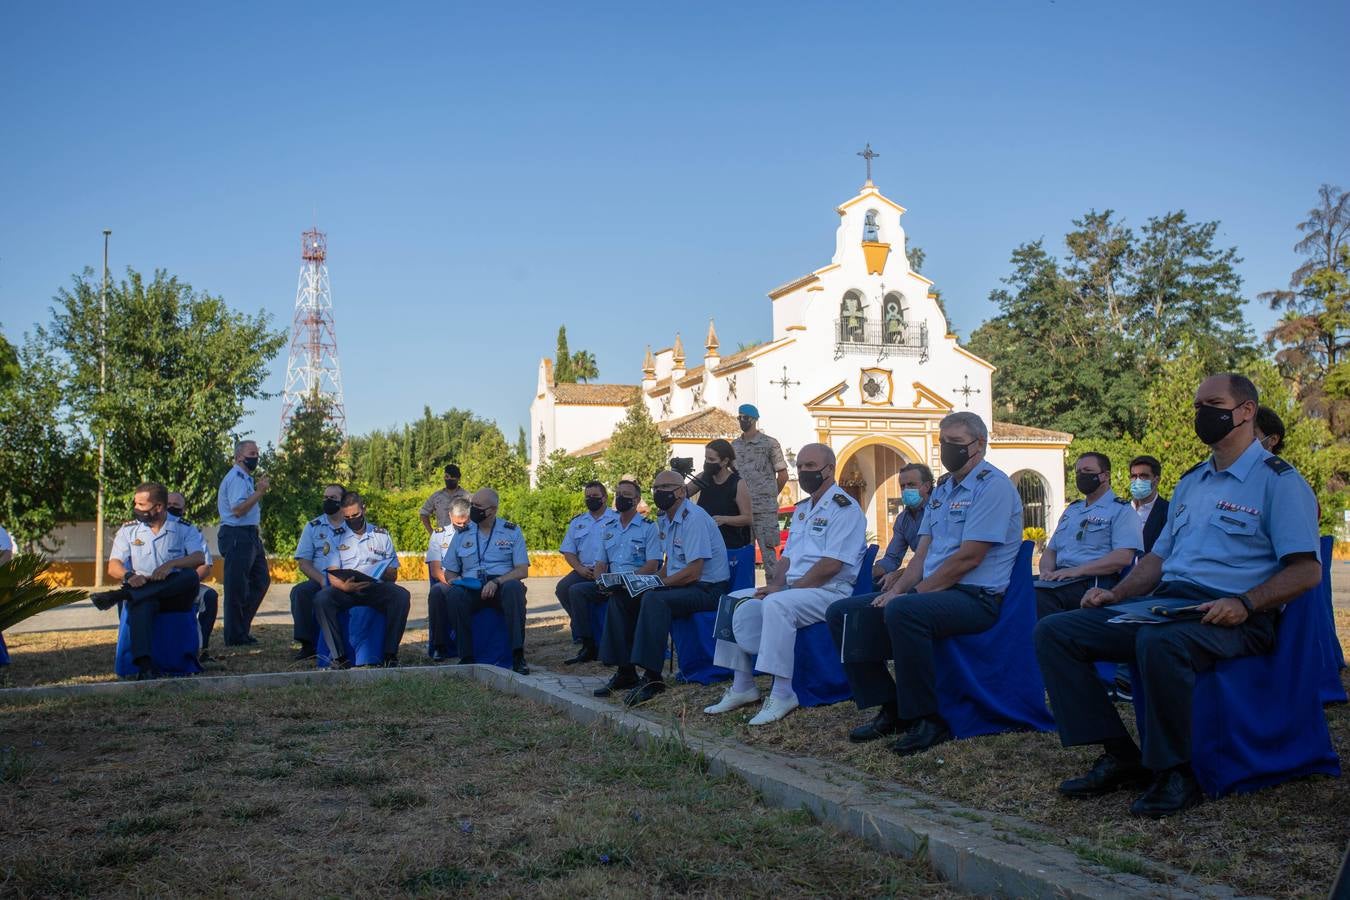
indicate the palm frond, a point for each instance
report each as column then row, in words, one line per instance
column 22, row 596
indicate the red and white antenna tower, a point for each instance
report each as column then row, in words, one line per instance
column 312, row 369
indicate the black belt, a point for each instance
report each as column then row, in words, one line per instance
column 249, row 527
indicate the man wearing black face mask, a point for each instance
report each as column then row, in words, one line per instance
column 968, row 542
column 1096, row 538
column 696, row 573
column 316, row 553
column 155, row 558
column 208, row 601
column 438, row 504
column 1240, row 541
column 581, row 547
column 246, row 577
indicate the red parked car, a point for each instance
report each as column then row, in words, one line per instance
column 784, row 520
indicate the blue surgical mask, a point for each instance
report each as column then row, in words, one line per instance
column 1140, row 488
column 911, row 497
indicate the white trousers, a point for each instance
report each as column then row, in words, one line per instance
column 768, row 627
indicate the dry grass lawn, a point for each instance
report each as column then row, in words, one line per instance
column 406, row 786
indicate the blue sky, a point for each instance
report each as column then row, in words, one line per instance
column 488, row 172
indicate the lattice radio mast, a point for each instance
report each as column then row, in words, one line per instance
column 312, row 369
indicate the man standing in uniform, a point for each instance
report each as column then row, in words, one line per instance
column 760, row 462
column 820, row 562
column 246, row 578
column 631, row 545
column 208, row 601
column 968, row 543
column 1149, row 505
column 316, row 553
column 440, row 545
column 916, row 486
column 364, row 547
column 1096, row 538
column 155, row 558
column 1241, row 540
column 581, row 547
column 6, row 546
column 438, row 504
column 696, row 573
column 488, row 563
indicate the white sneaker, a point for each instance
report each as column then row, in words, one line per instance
column 773, row 710
column 732, row 700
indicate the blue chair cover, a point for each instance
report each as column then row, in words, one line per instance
column 363, row 628
column 175, row 641
column 491, row 640
column 4, row 652
column 742, row 563
column 1329, row 646
column 1257, row 720
column 990, row 682
column 693, row 635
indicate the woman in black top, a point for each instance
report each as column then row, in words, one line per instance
column 723, row 495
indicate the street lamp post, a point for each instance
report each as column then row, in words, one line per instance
column 102, row 383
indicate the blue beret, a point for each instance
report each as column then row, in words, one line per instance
column 748, row 409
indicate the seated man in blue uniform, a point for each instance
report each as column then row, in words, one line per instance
column 1096, row 538
column 364, row 548
column 315, row 554
column 208, row 601
column 156, row 558
column 581, row 549
column 439, row 547
column 485, row 567
column 695, row 575
column 1241, row 540
column 631, row 544
column 968, row 543
column 916, row 486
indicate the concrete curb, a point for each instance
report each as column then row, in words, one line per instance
column 973, row 850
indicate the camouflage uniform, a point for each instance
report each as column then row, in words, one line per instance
column 439, row 504
column 758, row 461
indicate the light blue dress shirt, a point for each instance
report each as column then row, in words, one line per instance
column 983, row 507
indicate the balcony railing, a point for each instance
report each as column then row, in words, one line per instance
column 866, row 337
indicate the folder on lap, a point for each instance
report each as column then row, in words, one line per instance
column 726, row 612
column 865, row 636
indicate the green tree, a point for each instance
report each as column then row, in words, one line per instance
column 46, row 470
column 307, row 459
column 568, row 472
column 1079, row 342
column 9, row 363
column 562, row 359
column 1313, row 335
column 489, row 462
column 584, row 367
column 413, row 456
column 522, row 447
column 635, row 448
column 181, row 367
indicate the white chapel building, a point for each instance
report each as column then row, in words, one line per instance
column 862, row 359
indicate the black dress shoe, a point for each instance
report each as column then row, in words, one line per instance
column 520, row 668
column 306, row 651
column 920, row 736
column 587, row 653
column 390, row 662
column 645, row 690
column 1170, row 793
column 106, row 600
column 1106, row 775
column 149, row 674
column 885, row 723
column 619, row 681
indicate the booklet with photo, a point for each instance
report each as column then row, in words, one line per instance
column 865, row 636
column 726, row 611
column 1156, row 611
column 636, row 584
column 367, row 574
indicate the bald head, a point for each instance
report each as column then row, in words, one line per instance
column 484, row 508
column 668, row 480
column 815, row 469
column 485, row 497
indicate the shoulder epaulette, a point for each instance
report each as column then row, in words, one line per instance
column 183, row 520
column 510, row 526
column 1193, row 468
column 800, row 502
column 1279, row 465
column 841, row 499
column 943, row 479
column 128, row 522
column 318, row 521
column 574, row 518
column 440, row 529
column 1123, row 501
column 378, row 530
column 984, row 473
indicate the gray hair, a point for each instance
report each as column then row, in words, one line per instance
column 967, row 420
column 240, row 445
column 459, row 506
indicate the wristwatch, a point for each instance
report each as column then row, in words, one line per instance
column 1246, row 603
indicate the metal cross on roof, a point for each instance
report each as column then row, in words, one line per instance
column 785, row 383
column 966, row 390
column 868, row 154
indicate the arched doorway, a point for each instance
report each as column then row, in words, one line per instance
column 1031, row 487
column 871, row 475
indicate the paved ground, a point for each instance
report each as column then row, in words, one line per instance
column 276, row 608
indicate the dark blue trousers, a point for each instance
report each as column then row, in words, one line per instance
column 176, row 593
column 580, row 597
column 206, row 616
column 246, row 578
column 453, row 606
column 304, row 628
column 640, row 627
column 1168, row 656
column 385, row 596
column 913, row 622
